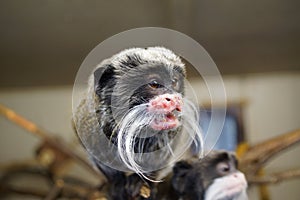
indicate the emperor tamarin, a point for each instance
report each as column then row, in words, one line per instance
column 134, row 114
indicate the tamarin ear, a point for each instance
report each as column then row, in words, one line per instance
column 181, row 167
column 102, row 76
column 180, row 173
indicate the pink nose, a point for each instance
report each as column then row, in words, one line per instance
column 166, row 103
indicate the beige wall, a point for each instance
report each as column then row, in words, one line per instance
column 273, row 108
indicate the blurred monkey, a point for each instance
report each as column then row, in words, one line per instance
column 215, row 177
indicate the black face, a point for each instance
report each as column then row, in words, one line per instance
column 143, row 83
column 154, row 80
column 191, row 179
column 124, row 89
column 218, row 164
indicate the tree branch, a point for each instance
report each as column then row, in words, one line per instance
column 254, row 159
column 59, row 145
column 275, row 177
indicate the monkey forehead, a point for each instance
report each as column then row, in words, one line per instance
column 220, row 155
column 213, row 158
column 148, row 55
column 157, row 71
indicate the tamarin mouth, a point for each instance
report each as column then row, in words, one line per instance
column 167, row 107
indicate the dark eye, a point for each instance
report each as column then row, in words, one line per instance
column 223, row 168
column 154, row 84
column 175, row 82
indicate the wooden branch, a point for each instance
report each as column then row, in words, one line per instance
column 259, row 154
column 59, row 145
column 67, row 192
column 68, row 187
column 275, row 177
column 55, row 190
column 22, row 191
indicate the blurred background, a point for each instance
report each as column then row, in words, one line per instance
column 255, row 44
